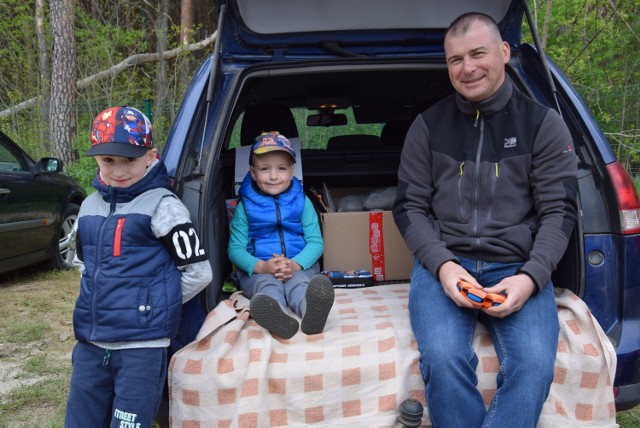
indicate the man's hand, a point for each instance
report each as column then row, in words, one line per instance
column 450, row 273
column 518, row 288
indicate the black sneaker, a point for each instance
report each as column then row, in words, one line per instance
column 319, row 298
column 268, row 314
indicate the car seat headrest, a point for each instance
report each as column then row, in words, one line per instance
column 394, row 132
column 264, row 118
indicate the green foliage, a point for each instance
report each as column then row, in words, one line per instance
column 18, row 51
column 104, row 44
column 83, row 170
column 596, row 44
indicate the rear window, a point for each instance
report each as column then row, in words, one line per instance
column 318, row 137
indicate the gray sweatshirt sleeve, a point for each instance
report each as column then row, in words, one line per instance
column 554, row 183
column 172, row 213
column 412, row 210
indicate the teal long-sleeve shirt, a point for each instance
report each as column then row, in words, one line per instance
column 239, row 238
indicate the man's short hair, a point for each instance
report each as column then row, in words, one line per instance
column 461, row 24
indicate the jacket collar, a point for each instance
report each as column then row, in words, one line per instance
column 155, row 177
column 494, row 103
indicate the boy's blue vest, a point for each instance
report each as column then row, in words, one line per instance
column 275, row 222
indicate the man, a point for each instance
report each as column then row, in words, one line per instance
column 486, row 195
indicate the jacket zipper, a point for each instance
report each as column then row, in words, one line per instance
column 476, row 186
column 117, row 239
column 494, row 180
column 460, row 198
column 279, row 226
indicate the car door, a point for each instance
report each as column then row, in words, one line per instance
column 29, row 204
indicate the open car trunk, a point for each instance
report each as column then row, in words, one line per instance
column 379, row 101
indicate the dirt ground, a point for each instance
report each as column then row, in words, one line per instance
column 36, row 339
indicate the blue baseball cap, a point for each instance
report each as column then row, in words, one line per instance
column 272, row 142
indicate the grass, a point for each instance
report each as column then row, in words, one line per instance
column 629, row 418
column 48, row 395
column 26, row 331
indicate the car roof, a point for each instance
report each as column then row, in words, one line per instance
column 285, row 24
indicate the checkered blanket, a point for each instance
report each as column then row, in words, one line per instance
column 356, row 374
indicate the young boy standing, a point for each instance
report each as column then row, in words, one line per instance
column 276, row 242
column 140, row 259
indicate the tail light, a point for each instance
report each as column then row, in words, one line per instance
column 627, row 196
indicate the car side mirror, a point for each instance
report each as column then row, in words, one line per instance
column 50, row 165
column 327, row 119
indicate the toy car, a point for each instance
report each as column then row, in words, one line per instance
column 478, row 297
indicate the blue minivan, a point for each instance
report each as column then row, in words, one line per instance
column 347, row 78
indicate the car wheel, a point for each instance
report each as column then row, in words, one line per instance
column 66, row 251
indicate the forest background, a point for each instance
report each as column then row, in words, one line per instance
column 63, row 61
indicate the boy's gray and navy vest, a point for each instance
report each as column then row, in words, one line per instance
column 130, row 289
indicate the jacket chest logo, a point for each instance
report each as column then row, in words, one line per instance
column 510, row 143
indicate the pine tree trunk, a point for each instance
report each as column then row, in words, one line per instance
column 161, row 87
column 186, row 33
column 45, row 73
column 62, row 116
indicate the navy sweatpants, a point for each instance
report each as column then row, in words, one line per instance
column 120, row 388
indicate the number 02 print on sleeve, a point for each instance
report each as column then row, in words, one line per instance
column 184, row 245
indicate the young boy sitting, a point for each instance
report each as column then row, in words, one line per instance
column 276, row 242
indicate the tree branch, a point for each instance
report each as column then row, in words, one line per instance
column 586, row 45
column 622, row 18
column 131, row 61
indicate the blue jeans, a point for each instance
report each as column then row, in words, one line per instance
column 526, row 342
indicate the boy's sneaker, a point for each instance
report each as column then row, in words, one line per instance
column 319, row 299
column 269, row 314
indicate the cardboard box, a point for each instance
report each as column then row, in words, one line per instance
column 347, row 245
